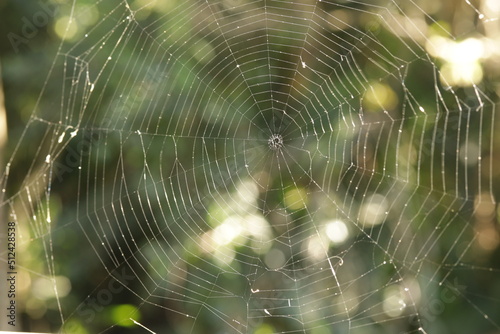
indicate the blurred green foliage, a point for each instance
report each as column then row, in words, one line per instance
column 174, row 106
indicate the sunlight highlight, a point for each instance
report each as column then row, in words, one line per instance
column 43, row 288
column 66, row 28
column 337, row 231
column 296, row 199
column 462, row 60
column 393, row 303
column 316, row 248
column 227, row 231
column 380, row 97
column 373, row 210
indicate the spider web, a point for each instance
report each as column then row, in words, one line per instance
column 263, row 167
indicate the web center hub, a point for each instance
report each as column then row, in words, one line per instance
column 275, row 141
